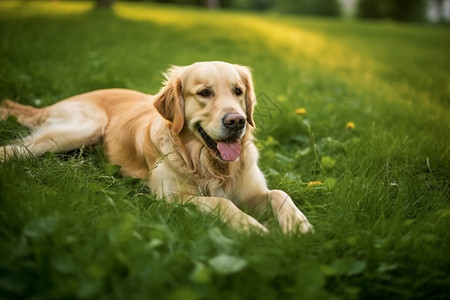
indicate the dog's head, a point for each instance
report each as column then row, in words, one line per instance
column 213, row 100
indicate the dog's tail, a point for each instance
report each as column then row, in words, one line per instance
column 26, row 115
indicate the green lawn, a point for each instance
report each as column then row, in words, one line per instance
column 72, row 227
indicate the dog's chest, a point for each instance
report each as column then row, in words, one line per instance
column 215, row 179
column 215, row 187
column 200, row 174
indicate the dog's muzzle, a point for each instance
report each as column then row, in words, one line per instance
column 228, row 150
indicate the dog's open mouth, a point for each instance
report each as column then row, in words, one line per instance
column 227, row 151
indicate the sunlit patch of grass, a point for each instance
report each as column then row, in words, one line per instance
column 27, row 9
column 285, row 39
column 163, row 15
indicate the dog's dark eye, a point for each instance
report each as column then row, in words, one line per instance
column 206, row 93
column 238, row 91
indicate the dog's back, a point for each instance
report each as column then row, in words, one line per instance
column 74, row 122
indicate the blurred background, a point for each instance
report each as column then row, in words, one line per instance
column 435, row 11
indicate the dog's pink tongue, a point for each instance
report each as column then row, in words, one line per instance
column 229, row 151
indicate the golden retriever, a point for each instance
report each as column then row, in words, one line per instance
column 192, row 142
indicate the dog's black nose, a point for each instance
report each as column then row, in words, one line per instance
column 233, row 121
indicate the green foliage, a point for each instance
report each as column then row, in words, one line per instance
column 310, row 7
column 302, row 7
column 401, row 10
column 72, row 227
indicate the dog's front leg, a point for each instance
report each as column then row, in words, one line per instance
column 227, row 212
column 289, row 217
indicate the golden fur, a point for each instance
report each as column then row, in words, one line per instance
column 158, row 138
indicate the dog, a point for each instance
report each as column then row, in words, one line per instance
column 193, row 141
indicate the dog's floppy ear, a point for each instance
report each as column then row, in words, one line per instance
column 250, row 98
column 169, row 101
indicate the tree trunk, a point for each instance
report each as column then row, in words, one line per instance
column 104, row 3
column 213, row 4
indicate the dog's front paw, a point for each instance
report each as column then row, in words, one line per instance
column 255, row 225
column 294, row 221
column 246, row 223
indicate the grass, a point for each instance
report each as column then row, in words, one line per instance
column 72, row 227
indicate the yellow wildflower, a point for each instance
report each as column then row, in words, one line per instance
column 314, row 183
column 300, row 111
column 350, row 125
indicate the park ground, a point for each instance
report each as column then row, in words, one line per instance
column 353, row 122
